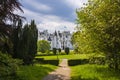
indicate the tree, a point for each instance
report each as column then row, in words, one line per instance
column 54, row 51
column 59, row 50
column 7, row 8
column 16, row 39
column 67, row 50
column 8, row 65
column 43, row 46
column 33, row 41
column 25, row 42
column 99, row 21
column 82, row 43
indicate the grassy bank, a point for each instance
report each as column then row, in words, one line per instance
column 93, row 72
column 35, row 72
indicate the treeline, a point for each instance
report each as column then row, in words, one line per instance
column 99, row 30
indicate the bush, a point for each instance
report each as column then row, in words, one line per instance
column 59, row 50
column 52, row 62
column 55, row 51
column 67, row 50
column 62, row 53
column 39, row 59
column 77, row 62
column 97, row 60
column 43, row 46
column 8, row 67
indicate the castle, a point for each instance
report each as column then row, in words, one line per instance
column 58, row 40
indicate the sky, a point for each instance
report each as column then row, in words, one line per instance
column 51, row 14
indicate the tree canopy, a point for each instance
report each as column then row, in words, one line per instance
column 98, row 23
column 7, row 8
column 43, row 46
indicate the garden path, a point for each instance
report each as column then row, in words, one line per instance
column 62, row 73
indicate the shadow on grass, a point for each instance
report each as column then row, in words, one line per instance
column 55, row 77
column 36, row 72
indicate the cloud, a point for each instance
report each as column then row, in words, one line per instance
column 58, row 26
column 75, row 3
column 37, row 5
column 49, row 22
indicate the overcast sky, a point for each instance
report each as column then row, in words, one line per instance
column 52, row 14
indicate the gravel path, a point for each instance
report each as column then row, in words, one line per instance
column 62, row 73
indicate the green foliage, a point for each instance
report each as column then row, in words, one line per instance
column 48, row 53
column 99, row 28
column 59, row 50
column 16, row 39
column 97, row 60
column 7, row 8
column 67, row 50
column 25, row 42
column 33, row 33
column 43, row 46
column 82, row 43
column 8, row 67
column 5, row 44
column 74, row 62
column 52, row 62
column 55, row 51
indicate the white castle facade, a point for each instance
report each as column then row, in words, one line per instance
column 58, row 40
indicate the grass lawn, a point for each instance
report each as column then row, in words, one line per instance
column 72, row 56
column 35, row 72
column 93, row 72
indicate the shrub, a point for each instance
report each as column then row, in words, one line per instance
column 59, row 50
column 97, row 60
column 62, row 53
column 77, row 62
column 55, row 51
column 43, row 46
column 8, row 67
column 67, row 50
column 52, row 62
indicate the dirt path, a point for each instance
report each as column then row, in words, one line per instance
column 62, row 73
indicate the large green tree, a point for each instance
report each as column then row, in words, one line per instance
column 100, row 22
column 25, row 42
column 7, row 8
column 43, row 46
column 33, row 41
column 8, row 65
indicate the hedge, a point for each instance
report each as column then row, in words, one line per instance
column 42, row 61
column 53, row 62
column 77, row 62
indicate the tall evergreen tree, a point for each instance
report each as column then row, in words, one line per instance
column 7, row 8
column 25, row 42
column 33, row 41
